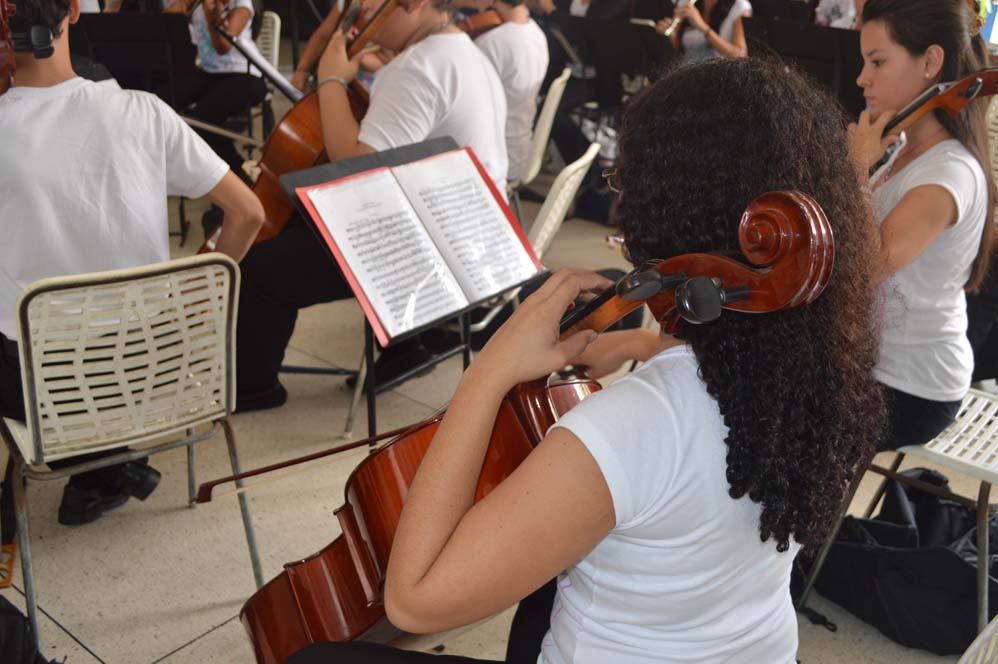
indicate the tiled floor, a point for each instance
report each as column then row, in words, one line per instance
column 157, row 581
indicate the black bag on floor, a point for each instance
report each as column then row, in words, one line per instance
column 17, row 646
column 912, row 571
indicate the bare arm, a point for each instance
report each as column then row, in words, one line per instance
column 340, row 129
column 737, row 47
column 454, row 561
column 914, row 224
column 243, row 216
column 613, row 349
column 314, row 48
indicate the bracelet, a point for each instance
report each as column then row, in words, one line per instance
column 339, row 79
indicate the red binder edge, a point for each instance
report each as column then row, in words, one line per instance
column 379, row 329
column 365, row 304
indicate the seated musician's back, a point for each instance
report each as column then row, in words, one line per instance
column 439, row 84
column 85, row 171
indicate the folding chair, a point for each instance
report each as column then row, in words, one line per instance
column 143, row 356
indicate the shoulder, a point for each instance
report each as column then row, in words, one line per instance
column 242, row 4
column 741, row 8
column 948, row 162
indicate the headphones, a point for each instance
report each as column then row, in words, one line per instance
column 37, row 41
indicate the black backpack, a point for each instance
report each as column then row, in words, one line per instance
column 911, row 572
column 17, row 645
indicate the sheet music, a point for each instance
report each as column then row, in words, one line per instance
column 389, row 251
column 466, row 223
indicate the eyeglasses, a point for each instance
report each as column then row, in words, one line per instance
column 612, row 177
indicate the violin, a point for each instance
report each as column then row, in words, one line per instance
column 297, row 143
column 7, row 65
column 335, row 594
column 949, row 98
column 480, row 23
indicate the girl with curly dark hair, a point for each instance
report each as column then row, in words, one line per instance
column 934, row 206
column 672, row 503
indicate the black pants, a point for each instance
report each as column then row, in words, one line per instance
column 982, row 328
column 530, row 624
column 216, row 98
column 915, row 421
column 280, row 276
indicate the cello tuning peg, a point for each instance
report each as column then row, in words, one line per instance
column 700, row 299
column 645, row 284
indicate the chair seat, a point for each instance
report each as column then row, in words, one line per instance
column 970, row 444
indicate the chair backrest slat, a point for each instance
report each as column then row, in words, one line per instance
column 118, row 357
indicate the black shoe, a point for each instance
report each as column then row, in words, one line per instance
column 136, row 478
column 272, row 398
column 80, row 506
column 397, row 360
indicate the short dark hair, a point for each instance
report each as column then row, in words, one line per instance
column 795, row 388
column 47, row 13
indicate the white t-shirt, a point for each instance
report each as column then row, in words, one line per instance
column 440, row 86
column 519, row 52
column 683, row 575
column 85, row 170
column 695, row 44
column 89, row 7
column 924, row 349
column 232, row 62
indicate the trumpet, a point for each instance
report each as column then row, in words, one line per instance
column 675, row 22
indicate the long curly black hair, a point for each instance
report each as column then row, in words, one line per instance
column 795, row 388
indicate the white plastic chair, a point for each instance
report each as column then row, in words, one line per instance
column 541, row 135
column 970, row 446
column 984, row 649
column 143, row 356
column 268, row 42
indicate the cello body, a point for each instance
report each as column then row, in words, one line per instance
column 335, row 594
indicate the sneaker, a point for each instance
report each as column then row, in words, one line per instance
column 397, row 360
column 272, row 398
column 136, row 478
column 80, row 506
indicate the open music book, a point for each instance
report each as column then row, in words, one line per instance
column 422, row 241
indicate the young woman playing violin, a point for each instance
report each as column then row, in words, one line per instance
column 440, row 84
column 934, row 206
column 672, row 503
column 718, row 31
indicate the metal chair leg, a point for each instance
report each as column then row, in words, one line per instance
column 516, row 206
column 982, row 556
column 819, row 562
column 192, row 486
column 883, row 486
column 19, row 482
column 358, row 392
column 230, row 442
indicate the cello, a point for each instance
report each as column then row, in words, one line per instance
column 335, row 594
column 297, row 143
column 6, row 46
column 480, row 23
